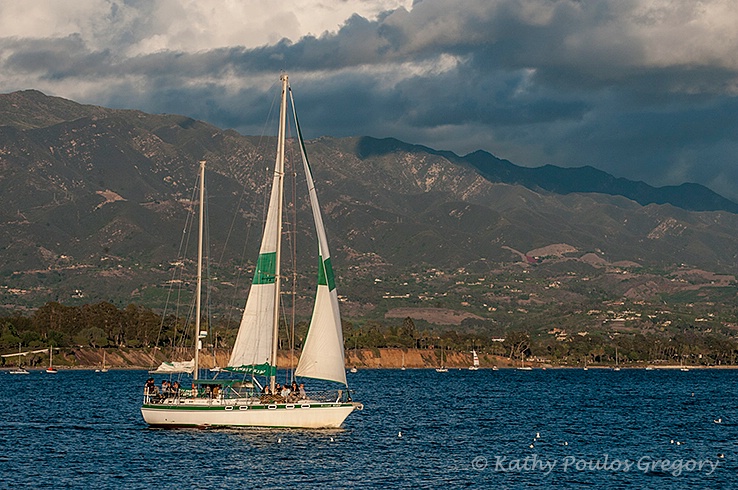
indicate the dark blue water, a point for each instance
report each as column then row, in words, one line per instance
column 597, row 428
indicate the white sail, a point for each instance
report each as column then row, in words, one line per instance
column 476, row 358
column 174, row 367
column 322, row 355
column 255, row 339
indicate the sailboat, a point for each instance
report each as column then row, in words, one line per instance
column 475, row 362
column 682, row 366
column 51, row 369
column 102, row 369
column 523, row 367
column 245, row 402
column 442, row 368
column 617, row 360
column 20, row 369
column 403, row 361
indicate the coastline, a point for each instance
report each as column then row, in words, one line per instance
column 374, row 358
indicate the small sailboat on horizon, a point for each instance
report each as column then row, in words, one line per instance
column 102, row 369
column 18, row 369
column 617, row 360
column 51, row 369
column 523, row 367
column 442, row 368
column 475, row 361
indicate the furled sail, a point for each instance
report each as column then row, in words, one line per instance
column 175, row 367
column 322, row 354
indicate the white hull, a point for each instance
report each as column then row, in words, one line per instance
column 231, row 413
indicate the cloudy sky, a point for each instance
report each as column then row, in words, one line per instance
column 643, row 89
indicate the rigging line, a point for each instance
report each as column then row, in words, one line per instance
column 188, row 324
column 179, row 266
column 208, row 274
column 179, row 341
column 287, row 375
column 259, row 152
column 293, row 255
column 260, row 147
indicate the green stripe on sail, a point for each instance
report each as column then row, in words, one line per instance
column 266, row 268
column 325, row 274
column 258, row 369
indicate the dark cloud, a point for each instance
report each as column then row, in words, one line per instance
column 641, row 89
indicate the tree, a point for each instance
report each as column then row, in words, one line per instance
column 92, row 336
column 517, row 343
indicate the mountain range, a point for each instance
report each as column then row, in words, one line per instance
column 94, row 202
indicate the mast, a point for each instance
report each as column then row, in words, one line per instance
column 279, row 170
column 198, row 300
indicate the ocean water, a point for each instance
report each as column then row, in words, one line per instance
column 502, row 429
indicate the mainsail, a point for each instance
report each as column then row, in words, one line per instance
column 255, row 342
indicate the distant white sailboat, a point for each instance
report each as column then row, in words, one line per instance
column 243, row 402
column 475, row 362
column 102, row 369
column 20, row 369
column 523, row 367
column 403, row 361
column 442, row 368
column 51, row 369
column 617, row 360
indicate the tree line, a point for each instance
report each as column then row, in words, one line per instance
column 105, row 325
column 94, row 325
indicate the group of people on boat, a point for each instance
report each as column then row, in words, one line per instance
column 287, row 393
column 284, row 393
column 168, row 389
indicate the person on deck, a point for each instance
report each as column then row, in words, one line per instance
column 151, row 390
column 164, row 388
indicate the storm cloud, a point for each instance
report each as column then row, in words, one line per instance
column 643, row 89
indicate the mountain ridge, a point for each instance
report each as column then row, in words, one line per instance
column 567, row 180
column 94, row 200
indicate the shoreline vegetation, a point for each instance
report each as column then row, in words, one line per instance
column 369, row 358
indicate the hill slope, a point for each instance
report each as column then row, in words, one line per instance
column 94, row 202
